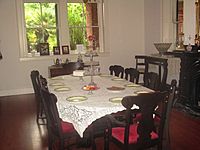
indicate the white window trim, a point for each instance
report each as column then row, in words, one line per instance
column 62, row 21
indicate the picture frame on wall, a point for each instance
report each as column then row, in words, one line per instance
column 56, row 50
column 65, row 49
column 44, row 49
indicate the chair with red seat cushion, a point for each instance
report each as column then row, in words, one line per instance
column 143, row 133
column 158, row 111
column 59, row 132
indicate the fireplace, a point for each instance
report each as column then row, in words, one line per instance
column 189, row 84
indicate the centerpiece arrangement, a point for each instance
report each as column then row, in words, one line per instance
column 91, row 53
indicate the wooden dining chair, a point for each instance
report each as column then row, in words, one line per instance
column 159, row 66
column 132, row 75
column 143, row 133
column 151, row 81
column 117, row 70
column 40, row 116
column 140, row 65
column 158, row 113
column 61, row 135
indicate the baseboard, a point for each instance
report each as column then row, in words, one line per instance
column 16, row 92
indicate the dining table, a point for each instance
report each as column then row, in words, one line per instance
column 81, row 105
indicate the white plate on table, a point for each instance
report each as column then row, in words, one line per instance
column 141, row 91
column 115, row 89
column 118, row 79
column 57, row 78
column 132, row 85
column 62, row 89
column 76, row 98
column 116, row 99
column 105, row 75
column 57, row 84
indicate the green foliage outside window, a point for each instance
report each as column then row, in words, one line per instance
column 40, row 24
column 77, row 24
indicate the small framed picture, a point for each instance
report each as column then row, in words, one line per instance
column 44, row 49
column 56, row 50
column 65, row 49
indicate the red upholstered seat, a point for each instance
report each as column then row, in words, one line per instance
column 118, row 133
column 67, row 127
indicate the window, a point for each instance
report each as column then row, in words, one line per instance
column 59, row 23
column 83, row 24
column 41, row 25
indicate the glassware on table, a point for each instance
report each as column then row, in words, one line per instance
column 91, row 54
column 90, row 88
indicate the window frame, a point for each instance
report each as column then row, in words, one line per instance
column 63, row 36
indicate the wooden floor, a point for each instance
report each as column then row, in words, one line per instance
column 19, row 131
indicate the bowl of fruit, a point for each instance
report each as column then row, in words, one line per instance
column 90, row 87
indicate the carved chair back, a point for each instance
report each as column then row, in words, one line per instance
column 151, row 80
column 160, row 64
column 117, row 70
column 132, row 75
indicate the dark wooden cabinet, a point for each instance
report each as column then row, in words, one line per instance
column 189, row 84
column 56, row 70
column 65, row 69
column 189, row 78
column 68, row 68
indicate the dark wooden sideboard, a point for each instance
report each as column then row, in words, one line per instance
column 65, row 69
column 56, row 70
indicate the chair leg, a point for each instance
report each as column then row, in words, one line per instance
column 61, row 145
column 38, row 111
column 166, row 139
column 40, row 114
column 106, row 140
column 160, row 146
column 50, row 143
column 41, row 110
column 93, row 143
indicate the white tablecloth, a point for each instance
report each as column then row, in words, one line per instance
column 82, row 114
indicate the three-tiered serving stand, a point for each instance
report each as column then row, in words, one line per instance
column 91, row 54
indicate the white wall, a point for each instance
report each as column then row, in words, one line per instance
column 152, row 30
column 189, row 15
column 126, row 36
